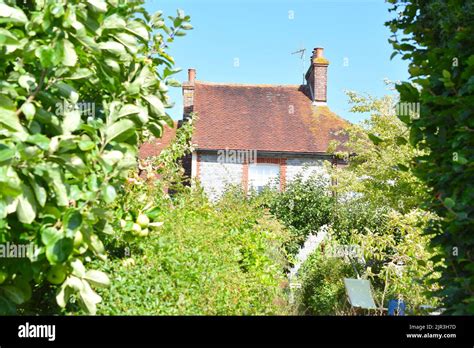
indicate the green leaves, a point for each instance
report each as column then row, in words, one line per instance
column 131, row 109
column 68, row 53
column 6, row 153
column 97, row 278
column 79, row 285
column 446, row 79
column 109, row 193
column 114, row 22
column 59, row 251
column 444, row 73
column 98, row 5
column 113, row 47
column 71, row 122
column 47, row 56
column 138, row 29
column 28, row 110
column 9, row 41
column 173, row 83
column 9, row 119
column 60, row 163
column 72, row 221
column 449, row 202
column 26, row 209
column 12, row 15
column 120, row 130
column 19, row 292
column 10, row 183
column 50, row 235
column 28, row 82
column 408, row 92
column 181, row 14
column 79, row 74
column 401, row 141
column 156, row 105
column 59, row 188
column 168, row 72
column 67, row 91
column 374, row 138
column 129, row 41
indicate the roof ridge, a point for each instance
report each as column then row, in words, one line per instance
column 245, row 84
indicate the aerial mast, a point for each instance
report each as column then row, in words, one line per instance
column 302, row 54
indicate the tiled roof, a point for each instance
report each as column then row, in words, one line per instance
column 154, row 147
column 262, row 117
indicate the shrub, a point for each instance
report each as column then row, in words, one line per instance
column 212, row 259
column 377, row 172
column 323, row 291
column 356, row 215
column 303, row 207
column 398, row 258
column 395, row 258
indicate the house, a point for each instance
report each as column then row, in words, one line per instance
column 252, row 135
column 248, row 135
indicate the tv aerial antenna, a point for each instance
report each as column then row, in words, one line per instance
column 302, row 53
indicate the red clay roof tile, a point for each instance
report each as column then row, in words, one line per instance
column 263, row 118
column 154, row 147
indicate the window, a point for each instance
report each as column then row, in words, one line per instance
column 262, row 174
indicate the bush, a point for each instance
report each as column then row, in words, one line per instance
column 398, row 259
column 206, row 259
column 357, row 215
column 323, row 291
column 395, row 250
column 304, row 207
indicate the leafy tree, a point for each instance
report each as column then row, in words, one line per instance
column 303, row 207
column 81, row 82
column 378, row 209
column 437, row 37
column 379, row 169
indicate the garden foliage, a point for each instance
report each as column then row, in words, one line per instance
column 81, row 82
column 437, row 38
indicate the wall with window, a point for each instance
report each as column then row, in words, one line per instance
column 215, row 176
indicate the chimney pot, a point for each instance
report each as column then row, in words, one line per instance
column 318, row 52
column 191, row 75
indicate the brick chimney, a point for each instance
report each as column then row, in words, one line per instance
column 188, row 93
column 316, row 77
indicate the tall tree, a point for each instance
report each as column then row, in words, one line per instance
column 378, row 170
column 437, row 37
column 80, row 83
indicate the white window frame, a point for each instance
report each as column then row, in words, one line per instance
column 261, row 175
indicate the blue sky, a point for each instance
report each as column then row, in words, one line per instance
column 262, row 34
